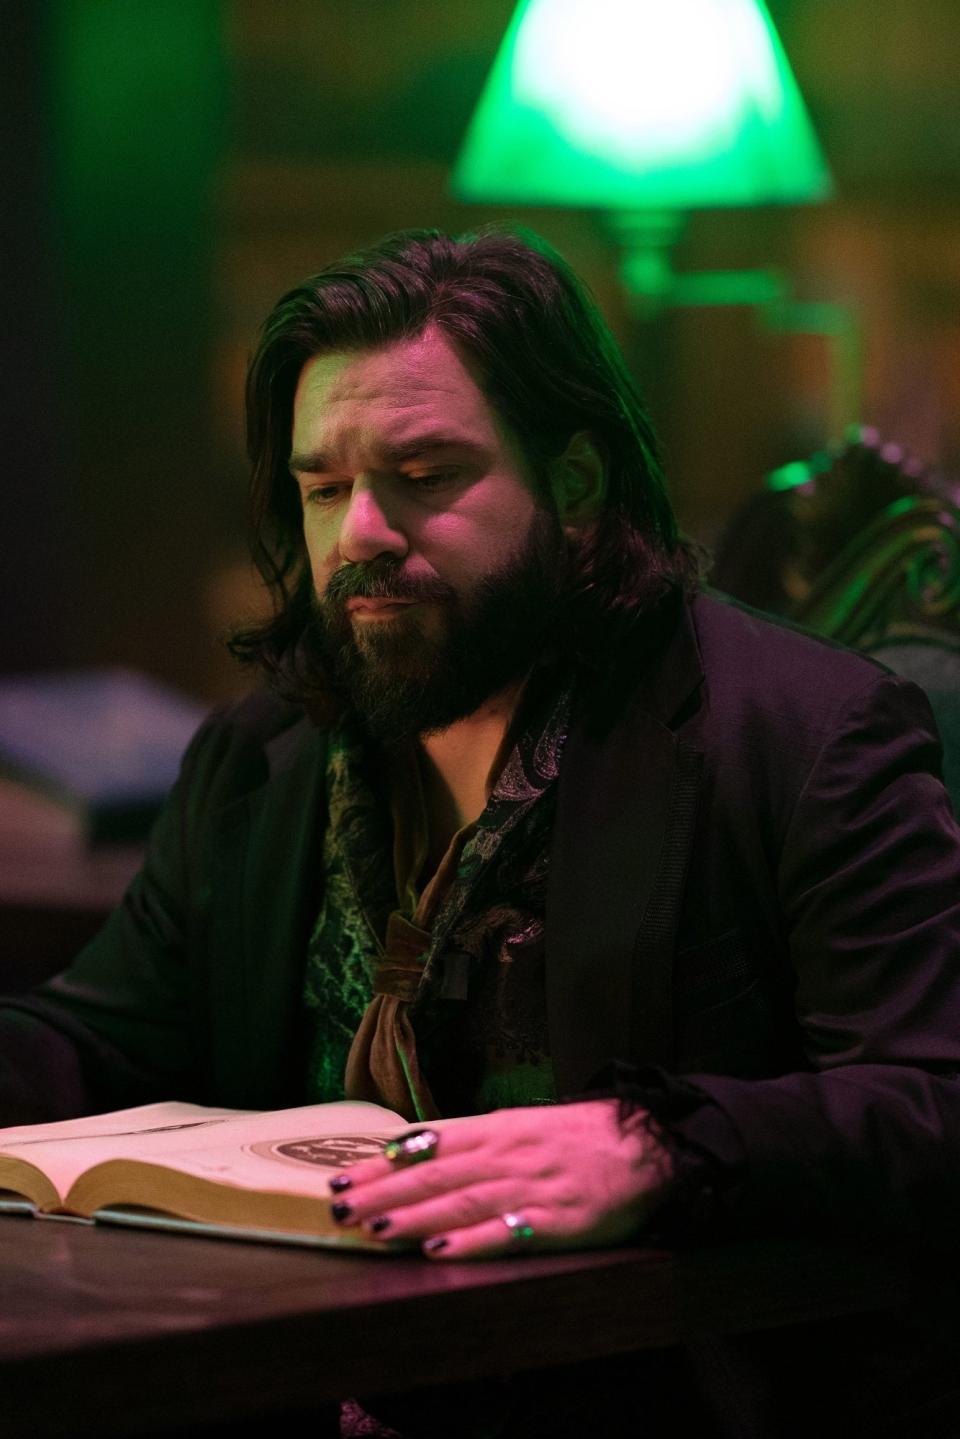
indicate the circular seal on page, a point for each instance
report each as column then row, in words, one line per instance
column 327, row 1151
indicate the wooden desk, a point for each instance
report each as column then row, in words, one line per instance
column 119, row 1332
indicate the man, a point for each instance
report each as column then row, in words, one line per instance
column 535, row 820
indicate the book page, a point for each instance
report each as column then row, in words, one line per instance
column 272, row 1175
column 213, row 1143
column 290, row 1151
column 142, row 1118
column 65, row 1149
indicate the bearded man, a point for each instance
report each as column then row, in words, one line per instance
column 526, row 816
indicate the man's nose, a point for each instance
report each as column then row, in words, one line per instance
column 368, row 529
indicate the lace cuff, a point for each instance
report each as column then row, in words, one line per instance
column 704, row 1145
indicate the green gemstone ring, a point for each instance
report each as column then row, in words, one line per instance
column 521, row 1230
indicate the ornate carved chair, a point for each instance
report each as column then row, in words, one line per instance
column 894, row 592
column 783, row 539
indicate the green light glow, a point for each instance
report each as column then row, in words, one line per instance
column 788, row 477
column 636, row 103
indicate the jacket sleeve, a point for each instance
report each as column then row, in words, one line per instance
column 114, row 1029
column 867, row 1142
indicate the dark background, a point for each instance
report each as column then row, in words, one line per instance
column 170, row 166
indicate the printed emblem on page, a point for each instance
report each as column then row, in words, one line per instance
column 330, row 1150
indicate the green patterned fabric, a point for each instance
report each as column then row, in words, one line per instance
column 480, row 1016
column 358, row 895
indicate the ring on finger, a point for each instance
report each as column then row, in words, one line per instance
column 413, row 1147
column 520, row 1229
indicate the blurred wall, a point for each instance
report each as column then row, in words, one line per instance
column 182, row 162
column 112, row 221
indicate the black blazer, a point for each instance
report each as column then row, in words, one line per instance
column 754, row 882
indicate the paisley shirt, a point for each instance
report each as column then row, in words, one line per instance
column 480, row 1012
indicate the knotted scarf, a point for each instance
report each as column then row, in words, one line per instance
column 384, row 960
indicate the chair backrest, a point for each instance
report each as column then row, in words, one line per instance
column 782, row 539
column 894, row 593
column 898, row 581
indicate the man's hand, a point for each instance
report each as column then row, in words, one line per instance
column 569, row 1172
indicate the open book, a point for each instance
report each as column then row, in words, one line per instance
column 180, row 1166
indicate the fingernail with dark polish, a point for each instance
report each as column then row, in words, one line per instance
column 382, row 1222
column 433, row 1246
column 340, row 1183
column 341, row 1211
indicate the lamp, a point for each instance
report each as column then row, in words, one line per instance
column 625, row 104
column 646, row 109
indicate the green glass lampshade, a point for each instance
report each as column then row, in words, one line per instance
column 635, row 104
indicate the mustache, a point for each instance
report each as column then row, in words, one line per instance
column 383, row 580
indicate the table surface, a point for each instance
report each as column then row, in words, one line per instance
column 135, row 1329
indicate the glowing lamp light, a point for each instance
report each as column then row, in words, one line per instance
column 641, row 104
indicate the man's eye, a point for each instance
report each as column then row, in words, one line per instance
column 434, row 479
column 322, row 494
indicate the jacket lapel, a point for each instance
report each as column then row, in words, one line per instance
column 626, row 808
column 267, row 875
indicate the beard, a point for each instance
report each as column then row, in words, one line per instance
column 403, row 678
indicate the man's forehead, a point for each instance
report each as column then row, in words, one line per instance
column 399, row 368
column 389, row 397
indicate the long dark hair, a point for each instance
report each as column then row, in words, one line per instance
column 549, row 367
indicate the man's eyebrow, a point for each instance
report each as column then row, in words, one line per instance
column 317, row 462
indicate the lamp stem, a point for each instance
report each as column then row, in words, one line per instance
column 652, row 285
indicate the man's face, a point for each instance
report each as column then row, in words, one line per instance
column 434, row 565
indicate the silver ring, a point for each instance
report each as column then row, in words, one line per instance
column 411, row 1148
column 519, row 1226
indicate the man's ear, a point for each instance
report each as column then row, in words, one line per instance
column 578, row 481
